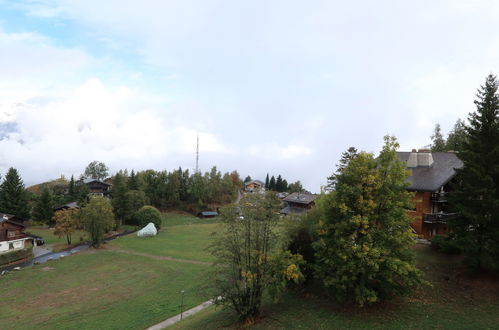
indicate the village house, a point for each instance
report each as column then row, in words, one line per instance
column 254, row 185
column 98, row 188
column 12, row 236
column 297, row 203
column 431, row 173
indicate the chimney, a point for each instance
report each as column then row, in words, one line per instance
column 413, row 159
column 425, row 159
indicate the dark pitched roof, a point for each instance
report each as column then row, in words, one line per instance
column 255, row 181
column 90, row 180
column 302, row 198
column 433, row 177
column 72, row 205
column 4, row 217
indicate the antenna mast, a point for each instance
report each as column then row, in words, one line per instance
column 197, row 153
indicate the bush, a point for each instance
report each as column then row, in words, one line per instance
column 148, row 214
column 446, row 244
column 6, row 258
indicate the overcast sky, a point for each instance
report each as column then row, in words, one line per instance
column 271, row 86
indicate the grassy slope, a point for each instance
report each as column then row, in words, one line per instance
column 181, row 236
column 455, row 301
column 50, row 238
column 109, row 290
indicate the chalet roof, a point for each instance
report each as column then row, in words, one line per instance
column 72, row 205
column 302, row 198
column 90, row 180
column 438, row 174
column 255, row 181
column 4, row 217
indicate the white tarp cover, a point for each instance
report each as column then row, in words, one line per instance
column 149, row 230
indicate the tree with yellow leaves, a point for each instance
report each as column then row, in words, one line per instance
column 363, row 252
column 66, row 223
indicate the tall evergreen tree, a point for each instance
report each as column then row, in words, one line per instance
column 267, row 181
column 438, row 143
column 476, row 193
column 72, row 190
column 457, row 136
column 119, row 194
column 247, row 179
column 345, row 159
column 272, row 183
column 44, row 207
column 278, row 184
column 13, row 197
column 133, row 183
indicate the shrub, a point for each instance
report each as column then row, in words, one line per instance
column 148, row 214
column 446, row 244
column 9, row 257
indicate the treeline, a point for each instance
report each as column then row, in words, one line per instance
column 455, row 138
column 280, row 185
column 177, row 189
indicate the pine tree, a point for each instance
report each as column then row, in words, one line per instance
column 119, row 201
column 475, row 195
column 247, row 179
column 44, row 207
column 345, row 159
column 133, row 182
column 457, row 136
column 438, row 143
column 72, row 190
column 272, row 183
column 13, row 197
column 364, row 248
column 278, row 184
column 267, row 181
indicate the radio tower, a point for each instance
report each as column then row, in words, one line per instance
column 197, row 153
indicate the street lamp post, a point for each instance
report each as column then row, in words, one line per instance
column 181, row 303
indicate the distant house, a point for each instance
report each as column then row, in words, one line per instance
column 72, row 205
column 12, row 236
column 98, row 188
column 254, row 185
column 297, row 203
column 13, row 218
column 431, row 173
column 207, row 214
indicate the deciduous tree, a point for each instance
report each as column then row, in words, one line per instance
column 248, row 263
column 96, row 170
column 97, row 218
column 66, row 223
column 364, row 247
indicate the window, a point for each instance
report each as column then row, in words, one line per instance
column 11, row 234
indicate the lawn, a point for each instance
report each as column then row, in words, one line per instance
column 99, row 289
column 455, row 300
column 50, row 238
column 183, row 237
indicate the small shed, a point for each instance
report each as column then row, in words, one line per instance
column 207, row 214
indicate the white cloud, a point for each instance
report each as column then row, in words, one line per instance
column 115, row 125
column 280, row 153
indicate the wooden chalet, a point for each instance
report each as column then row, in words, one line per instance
column 12, row 236
column 297, row 203
column 254, row 185
column 98, row 188
column 431, row 173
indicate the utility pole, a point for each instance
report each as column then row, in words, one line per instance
column 197, row 153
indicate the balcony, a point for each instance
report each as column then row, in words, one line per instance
column 438, row 217
column 439, row 197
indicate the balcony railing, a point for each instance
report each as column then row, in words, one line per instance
column 438, row 217
column 439, row 197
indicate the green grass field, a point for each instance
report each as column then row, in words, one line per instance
column 183, row 237
column 455, row 300
column 99, row 290
column 50, row 238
